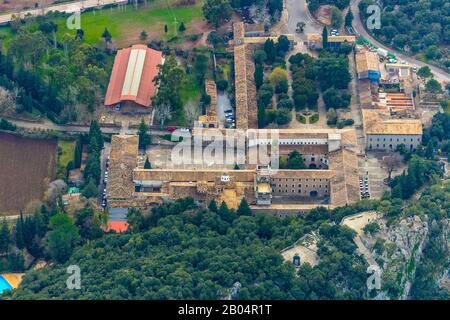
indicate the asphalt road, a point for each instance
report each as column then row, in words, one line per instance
column 76, row 129
column 359, row 27
column 65, row 7
column 298, row 12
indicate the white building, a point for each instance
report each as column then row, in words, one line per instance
column 387, row 134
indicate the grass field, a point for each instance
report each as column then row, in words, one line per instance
column 126, row 24
column 66, row 152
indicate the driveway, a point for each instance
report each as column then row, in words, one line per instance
column 223, row 104
column 298, row 12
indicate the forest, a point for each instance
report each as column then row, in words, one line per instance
column 181, row 251
column 62, row 78
column 414, row 26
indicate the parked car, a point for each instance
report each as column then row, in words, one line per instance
column 171, row 129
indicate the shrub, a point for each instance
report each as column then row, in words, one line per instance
column 222, row 84
column 283, row 116
column 314, row 118
column 285, row 104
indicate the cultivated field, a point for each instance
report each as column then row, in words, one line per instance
column 26, row 167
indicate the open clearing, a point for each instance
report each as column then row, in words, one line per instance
column 26, row 167
column 126, row 23
column 305, row 248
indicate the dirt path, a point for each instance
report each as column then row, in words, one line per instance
column 358, row 222
column 308, row 255
column 305, row 247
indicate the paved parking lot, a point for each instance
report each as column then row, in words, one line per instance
column 223, row 104
column 371, row 166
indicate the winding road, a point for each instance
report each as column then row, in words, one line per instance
column 296, row 11
column 358, row 26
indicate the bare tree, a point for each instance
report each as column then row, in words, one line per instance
column 391, row 162
column 192, row 111
column 163, row 113
column 55, row 189
column 7, row 102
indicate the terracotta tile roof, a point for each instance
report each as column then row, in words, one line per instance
column 366, row 60
column 123, row 159
column 245, row 88
column 350, row 39
column 238, row 33
column 344, row 186
column 378, row 122
column 117, row 226
column 314, row 37
column 132, row 75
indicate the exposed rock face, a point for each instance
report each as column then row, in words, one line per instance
column 397, row 249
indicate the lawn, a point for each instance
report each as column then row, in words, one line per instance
column 300, row 118
column 314, row 118
column 5, row 36
column 66, row 153
column 125, row 24
column 190, row 90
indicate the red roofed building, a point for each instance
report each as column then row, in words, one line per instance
column 132, row 76
column 117, row 226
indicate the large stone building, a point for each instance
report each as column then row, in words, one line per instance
column 331, row 181
column 384, row 133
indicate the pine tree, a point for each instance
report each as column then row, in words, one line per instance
column 223, row 210
column 349, row 18
column 147, row 164
column 244, row 208
column 212, row 206
column 78, row 153
column 5, row 238
column 20, row 241
column 106, row 35
column 143, row 36
column 182, row 28
column 144, row 138
column 397, row 192
column 90, row 190
column 96, row 134
column 80, row 34
column 324, row 36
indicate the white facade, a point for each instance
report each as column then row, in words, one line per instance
column 391, row 141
